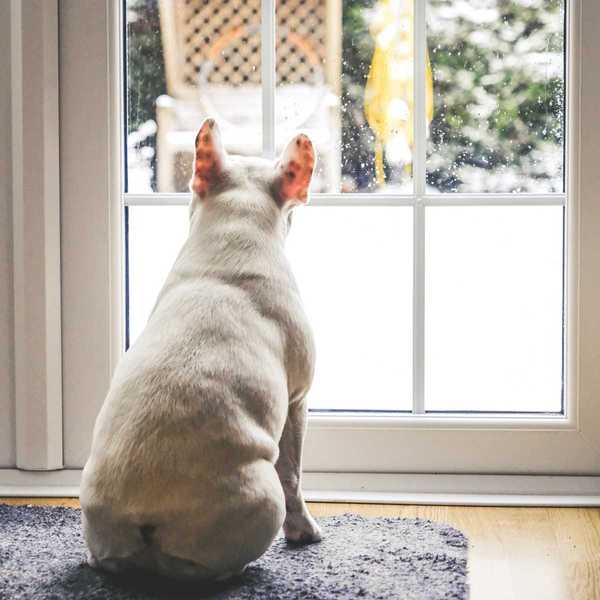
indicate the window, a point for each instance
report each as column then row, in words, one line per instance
column 453, row 227
column 431, row 256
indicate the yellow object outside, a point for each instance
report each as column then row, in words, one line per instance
column 389, row 93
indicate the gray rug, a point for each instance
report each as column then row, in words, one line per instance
column 42, row 555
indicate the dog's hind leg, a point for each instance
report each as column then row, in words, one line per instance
column 115, row 545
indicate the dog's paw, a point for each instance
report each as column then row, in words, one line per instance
column 111, row 565
column 301, row 529
column 92, row 561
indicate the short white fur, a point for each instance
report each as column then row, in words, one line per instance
column 196, row 455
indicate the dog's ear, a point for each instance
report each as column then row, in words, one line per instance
column 294, row 170
column 210, row 157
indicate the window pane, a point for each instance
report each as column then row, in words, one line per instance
column 498, row 90
column 345, row 76
column 364, row 344
column 155, row 236
column 187, row 61
column 354, row 270
column 493, row 309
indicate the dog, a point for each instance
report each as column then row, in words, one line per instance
column 196, row 457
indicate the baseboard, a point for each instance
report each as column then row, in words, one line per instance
column 384, row 488
column 444, row 489
column 41, row 484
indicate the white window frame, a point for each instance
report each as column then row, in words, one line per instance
column 344, row 454
column 419, row 200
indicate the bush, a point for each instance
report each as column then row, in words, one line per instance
column 498, row 93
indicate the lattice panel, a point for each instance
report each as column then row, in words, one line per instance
column 304, row 20
column 228, row 32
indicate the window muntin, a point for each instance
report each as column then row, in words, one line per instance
column 540, row 176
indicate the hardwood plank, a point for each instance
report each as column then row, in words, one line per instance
column 577, row 533
column 72, row 502
column 514, row 553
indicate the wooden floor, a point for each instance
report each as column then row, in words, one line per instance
column 514, row 553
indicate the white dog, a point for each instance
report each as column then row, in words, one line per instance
column 196, row 455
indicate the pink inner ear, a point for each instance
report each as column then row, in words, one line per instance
column 297, row 166
column 209, row 159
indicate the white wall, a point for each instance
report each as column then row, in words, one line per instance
column 7, row 407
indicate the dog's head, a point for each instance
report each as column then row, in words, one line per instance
column 230, row 184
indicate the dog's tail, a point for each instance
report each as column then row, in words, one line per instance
column 147, row 533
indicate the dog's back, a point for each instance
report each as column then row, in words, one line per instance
column 181, row 476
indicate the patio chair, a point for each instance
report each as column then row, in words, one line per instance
column 213, row 68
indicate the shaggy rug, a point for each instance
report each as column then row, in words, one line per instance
column 42, row 555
